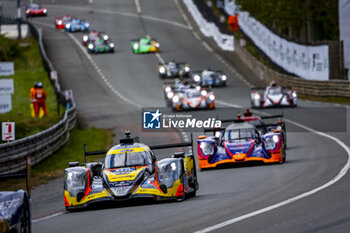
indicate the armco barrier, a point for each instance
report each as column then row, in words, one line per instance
column 331, row 88
column 39, row 146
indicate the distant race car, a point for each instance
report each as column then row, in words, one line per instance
column 77, row 25
column 35, row 9
column 183, row 96
column 209, row 77
column 273, row 96
column 60, row 22
column 130, row 170
column 237, row 143
column 15, row 212
column 174, row 70
column 94, row 35
column 101, row 45
column 144, row 45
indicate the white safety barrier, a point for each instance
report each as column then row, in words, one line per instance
column 224, row 41
column 309, row 62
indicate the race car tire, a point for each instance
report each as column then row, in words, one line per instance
column 181, row 198
column 25, row 219
column 283, row 158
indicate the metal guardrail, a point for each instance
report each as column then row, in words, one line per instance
column 39, row 146
column 340, row 88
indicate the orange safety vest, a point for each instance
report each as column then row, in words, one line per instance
column 40, row 93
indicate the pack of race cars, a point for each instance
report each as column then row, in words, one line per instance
column 130, row 169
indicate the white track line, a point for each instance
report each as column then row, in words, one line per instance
column 102, row 76
column 138, row 7
column 47, row 217
column 207, row 46
column 342, row 172
column 183, row 15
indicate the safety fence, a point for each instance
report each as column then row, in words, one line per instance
column 39, row 146
column 222, row 37
column 340, row 88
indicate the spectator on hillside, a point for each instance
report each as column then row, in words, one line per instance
column 32, row 98
column 40, row 97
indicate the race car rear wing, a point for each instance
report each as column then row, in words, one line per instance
column 26, row 175
column 130, row 140
column 242, row 121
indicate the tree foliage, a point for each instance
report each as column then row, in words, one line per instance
column 305, row 20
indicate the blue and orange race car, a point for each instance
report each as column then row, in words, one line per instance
column 260, row 123
column 130, row 170
column 240, row 142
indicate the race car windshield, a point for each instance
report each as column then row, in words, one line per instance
column 238, row 134
column 254, row 122
column 193, row 94
column 128, row 159
column 145, row 42
column 275, row 91
column 34, row 6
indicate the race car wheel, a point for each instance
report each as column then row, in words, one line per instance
column 283, row 157
column 25, row 219
column 181, row 198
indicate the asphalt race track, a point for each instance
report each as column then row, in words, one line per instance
column 110, row 90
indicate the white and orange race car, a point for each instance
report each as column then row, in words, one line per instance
column 184, row 96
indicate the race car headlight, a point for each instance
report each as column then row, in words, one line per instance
column 90, row 46
column 27, row 11
column 162, row 70
column 204, row 92
column 187, row 69
column 105, row 37
column 59, row 22
column 167, row 89
column 223, row 77
column 207, row 148
column 157, row 45
column 212, row 97
column 294, row 94
column 136, row 46
column 176, row 99
column 271, row 142
column 111, row 45
column 67, row 25
column 256, row 96
column 45, row 11
column 170, row 95
column 85, row 38
column 196, row 78
column 87, row 25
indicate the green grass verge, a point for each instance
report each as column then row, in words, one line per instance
column 22, row 52
column 53, row 166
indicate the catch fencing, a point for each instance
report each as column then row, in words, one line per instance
column 41, row 145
